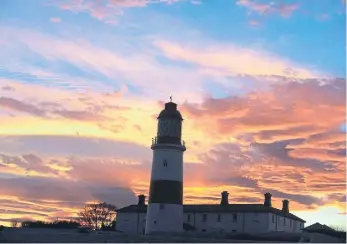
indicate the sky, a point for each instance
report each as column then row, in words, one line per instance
column 260, row 84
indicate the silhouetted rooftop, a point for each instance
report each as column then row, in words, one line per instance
column 170, row 111
column 217, row 208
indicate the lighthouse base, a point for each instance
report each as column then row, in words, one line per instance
column 164, row 218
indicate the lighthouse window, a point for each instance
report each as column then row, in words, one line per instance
column 204, row 217
column 162, row 206
column 234, row 217
column 188, row 218
column 165, row 163
column 218, row 218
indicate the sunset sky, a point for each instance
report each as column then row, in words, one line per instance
column 260, row 84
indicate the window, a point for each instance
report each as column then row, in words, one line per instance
column 204, row 217
column 234, row 217
column 233, row 230
column 162, row 206
column 218, row 218
column 203, row 230
column 165, row 163
column 155, row 222
column 284, row 221
column 290, row 223
column 188, row 218
column 273, row 218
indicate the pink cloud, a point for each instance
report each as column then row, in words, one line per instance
column 254, row 23
column 234, row 60
column 55, row 20
column 108, row 11
column 272, row 7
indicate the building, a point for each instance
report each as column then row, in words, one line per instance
column 165, row 211
column 323, row 234
column 219, row 218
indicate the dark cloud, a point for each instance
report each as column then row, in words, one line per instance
column 72, row 145
column 19, row 106
column 50, row 109
column 7, row 211
column 247, row 200
column 235, row 181
column 7, row 88
column 60, row 193
column 300, row 198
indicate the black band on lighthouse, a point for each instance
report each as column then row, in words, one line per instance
column 166, row 191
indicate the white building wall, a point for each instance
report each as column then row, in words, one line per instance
column 132, row 223
column 244, row 222
column 281, row 223
column 174, row 169
column 168, row 219
column 256, row 222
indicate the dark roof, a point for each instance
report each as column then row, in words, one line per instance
column 170, row 111
column 217, row 208
column 326, row 230
column 317, row 226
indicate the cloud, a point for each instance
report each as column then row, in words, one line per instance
column 272, row 7
column 47, row 197
column 233, row 60
column 55, row 20
column 283, row 107
column 14, row 104
column 108, row 11
column 7, row 88
column 73, row 145
column 112, row 63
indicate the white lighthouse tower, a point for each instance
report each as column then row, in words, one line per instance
column 165, row 209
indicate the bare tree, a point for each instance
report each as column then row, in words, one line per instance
column 97, row 215
column 14, row 223
column 337, row 228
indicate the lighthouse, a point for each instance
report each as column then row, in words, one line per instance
column 165, row 203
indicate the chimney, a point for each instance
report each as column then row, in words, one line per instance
column 267, row 201
column 224, row 200
column 141, row 200
column 285, row 206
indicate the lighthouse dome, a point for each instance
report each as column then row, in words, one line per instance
column 170, row 111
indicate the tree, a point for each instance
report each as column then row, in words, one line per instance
column 97, row 215
column 58, row 224
column 337, row 228
column 14, row 223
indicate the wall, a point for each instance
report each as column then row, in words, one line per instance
column 166, row 219
column 174, row 169
column 131, row 222
column 281, row 223
column 245, row 222
column 260, row 223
